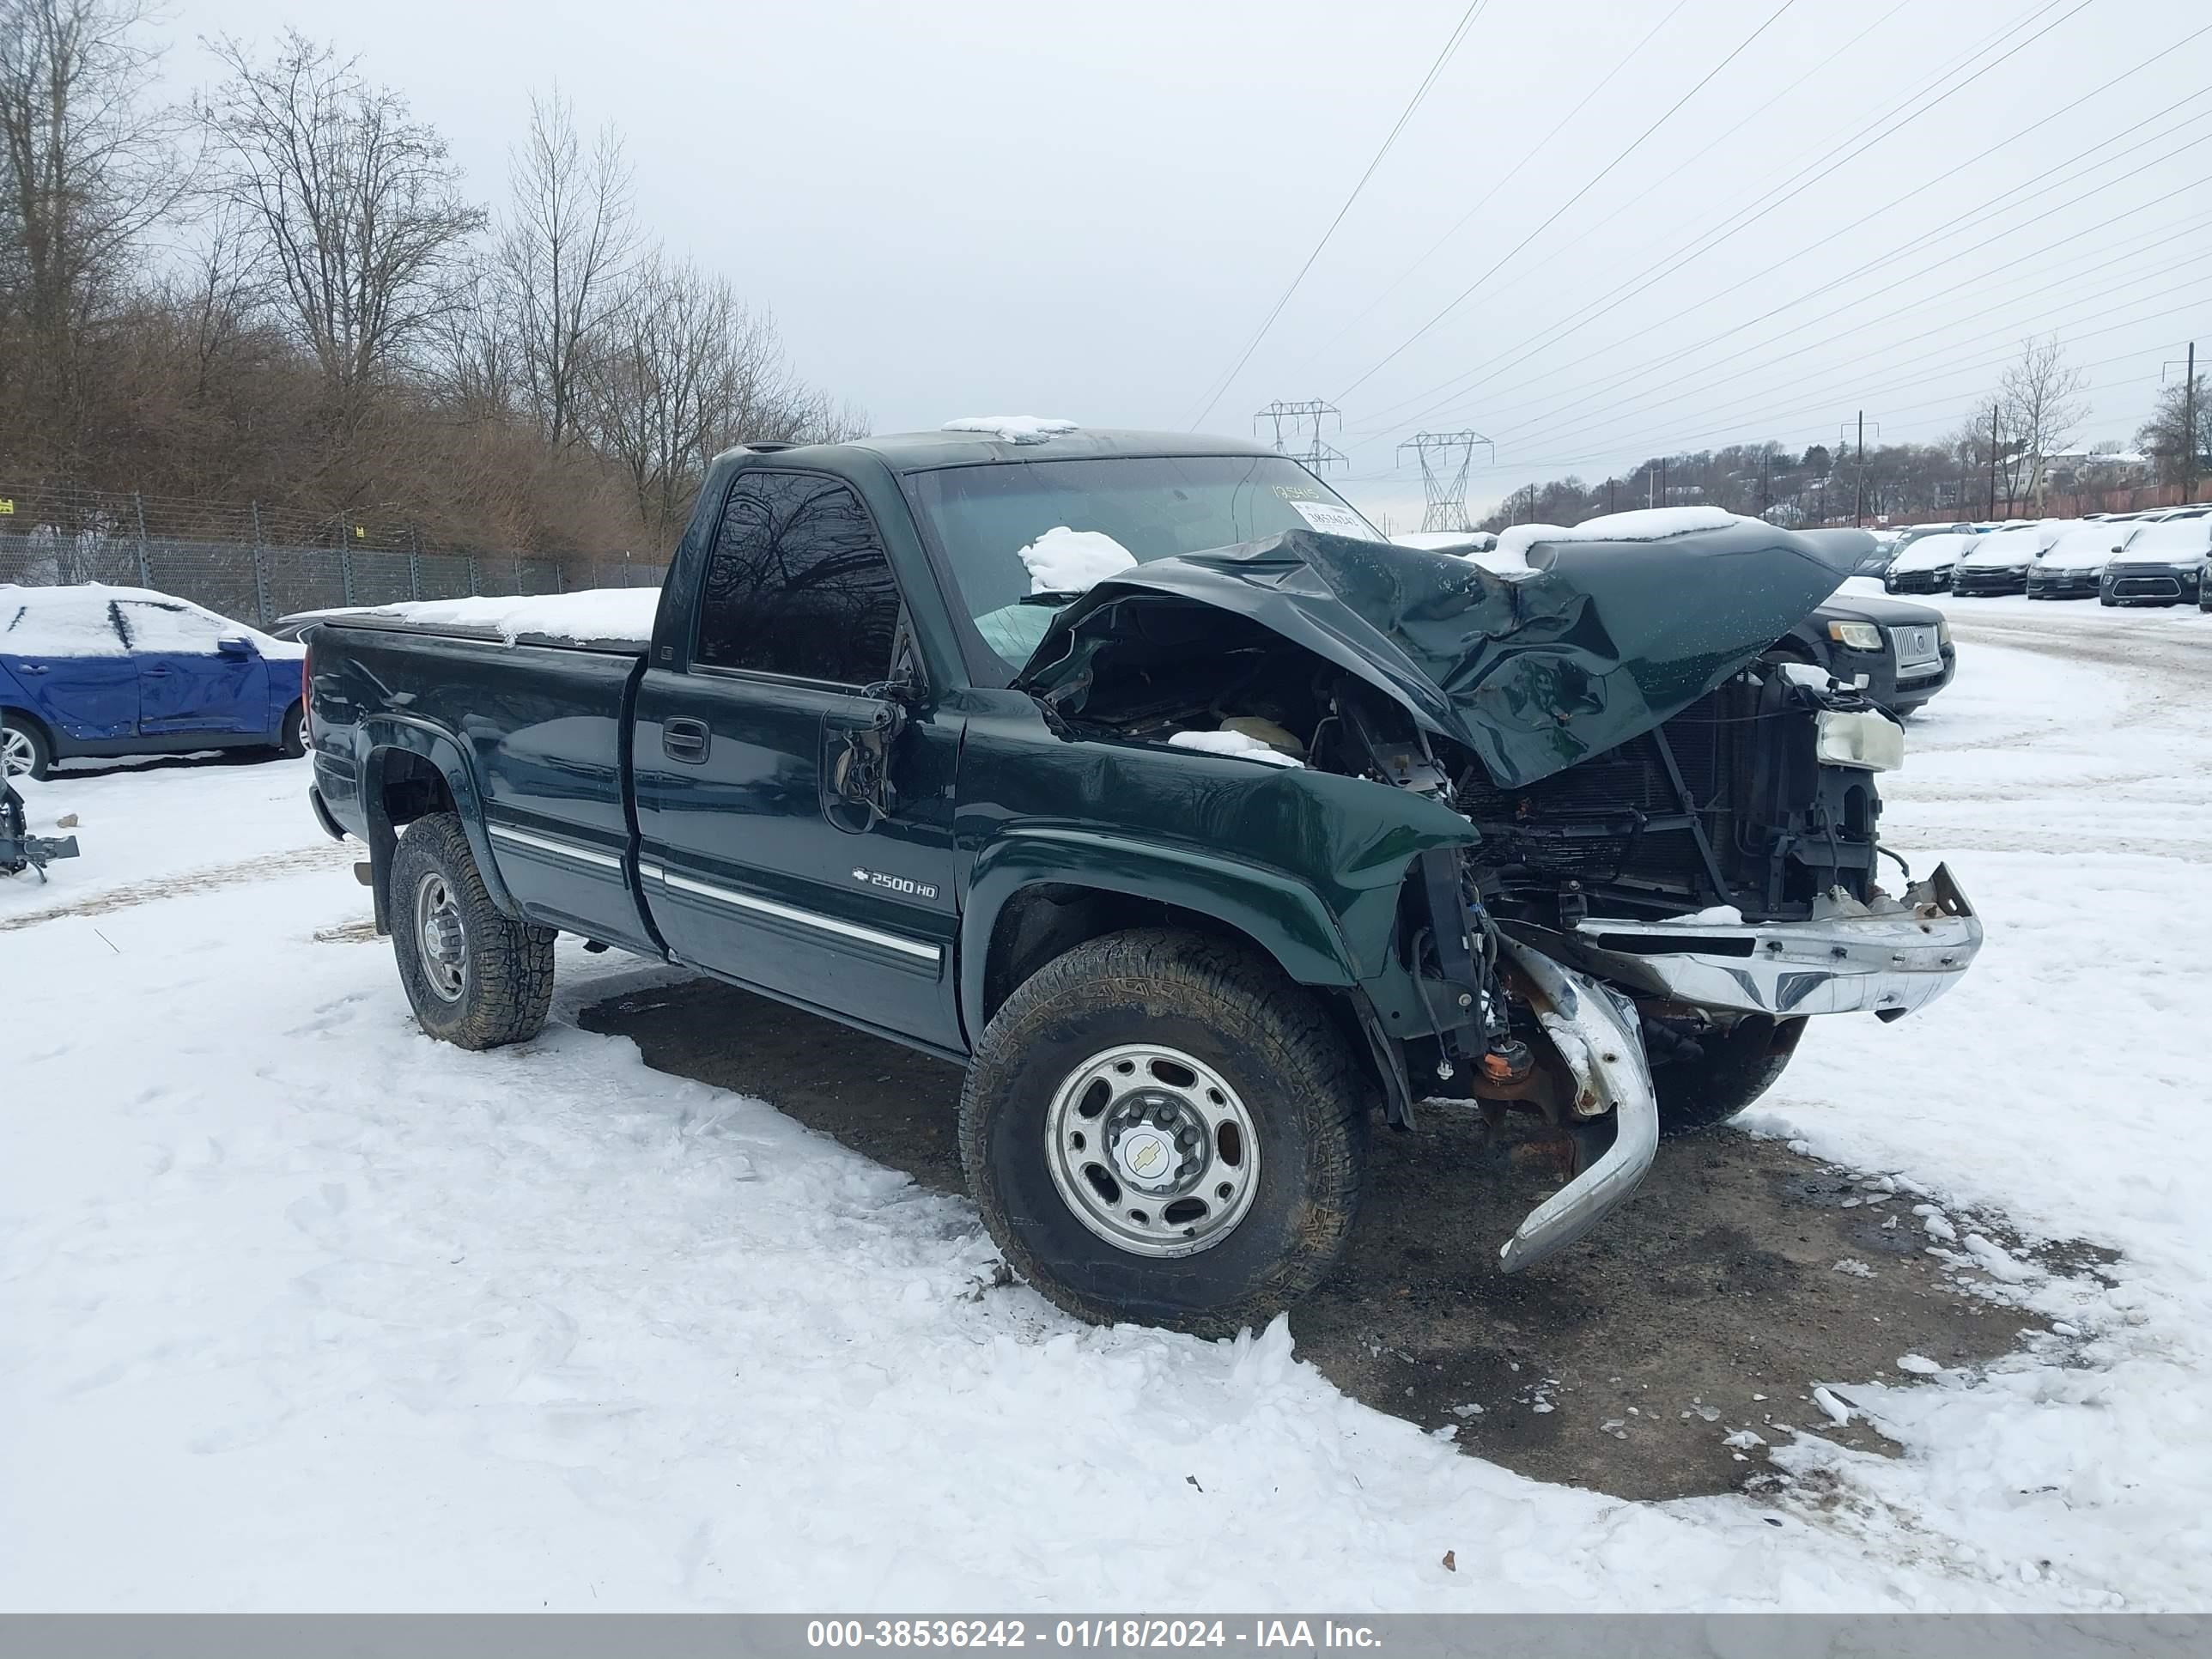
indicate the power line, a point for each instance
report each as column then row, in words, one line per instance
column 1825, row 409
column 1451, row 45
column 1515, row 172
column 1635, row 144
column 1548, row 427
column 1765, row 204
column 1735, row 328
column 1952, row 231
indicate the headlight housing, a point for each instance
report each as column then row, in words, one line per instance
column 1858, row 636
column 1873, row 743
column 1943, row 632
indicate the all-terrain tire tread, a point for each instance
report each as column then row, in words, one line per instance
column 511, row 962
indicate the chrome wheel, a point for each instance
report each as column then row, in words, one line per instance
column 439, row 937
column 1152, row 1150
column 17, row 755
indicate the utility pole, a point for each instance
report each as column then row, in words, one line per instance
column 2188, row 422
column 1993, row 460
column 1858, row 483
column 1766, row 462
column 1444, row 496
column 1301, row 422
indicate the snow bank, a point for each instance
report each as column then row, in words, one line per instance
column 624, row 614
column 1012, row 428
column 1063, row 560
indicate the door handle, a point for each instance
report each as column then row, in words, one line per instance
column 685, row 740
column 33, row 668
column 157, row 673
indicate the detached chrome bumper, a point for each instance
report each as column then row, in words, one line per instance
column 1887, row 962
column 1604, row 1050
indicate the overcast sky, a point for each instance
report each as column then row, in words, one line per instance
column 1087, row 211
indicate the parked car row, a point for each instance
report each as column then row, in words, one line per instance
column 88, row 671
column 2157, row 557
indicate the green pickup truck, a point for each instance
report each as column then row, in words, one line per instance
column 1141, row 776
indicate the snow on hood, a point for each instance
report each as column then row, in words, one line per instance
column 2001, row 549
column 591, row 614
column 2174, row 541
column 2088, row 547
column 1063, row 560
column 1532, row 674
column 1935, row 552
column 1655, row 524
column 1012, row 428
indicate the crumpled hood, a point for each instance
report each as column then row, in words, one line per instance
column 1602, row 641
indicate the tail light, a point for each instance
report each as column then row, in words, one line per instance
column 307, row 699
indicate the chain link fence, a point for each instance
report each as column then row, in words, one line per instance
column 256, row 564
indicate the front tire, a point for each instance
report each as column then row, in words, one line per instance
column 1159, row 1126
column 476, row 979
column 24, row 751
column 1734, row 1068
column 291, row 737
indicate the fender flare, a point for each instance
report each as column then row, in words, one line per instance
column 379, row 736
column 1286, row 918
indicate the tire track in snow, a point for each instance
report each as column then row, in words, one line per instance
column 207, row 879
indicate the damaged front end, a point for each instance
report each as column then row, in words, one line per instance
column 1673, row 845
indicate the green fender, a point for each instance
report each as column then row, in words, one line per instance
column 377, row 738
column 1283, row 916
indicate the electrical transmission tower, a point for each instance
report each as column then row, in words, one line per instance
column 1301, row 424
column 1446, row 459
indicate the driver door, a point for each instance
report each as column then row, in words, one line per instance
column 755, row 858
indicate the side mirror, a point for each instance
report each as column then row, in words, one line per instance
column 236, row 648
column 857, row 740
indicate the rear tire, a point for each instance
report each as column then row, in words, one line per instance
column 1190, row 1043
column 24, row 751
column 1737, row 1068
column 476, row 979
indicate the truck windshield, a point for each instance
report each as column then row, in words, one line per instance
column 1154, row 507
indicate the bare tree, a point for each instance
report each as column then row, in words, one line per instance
column 357, row 209
column 569, row 234
column 2178, row 453
column 86, row 166
column 472, row 349
column 687, row 372
column 2040, row 396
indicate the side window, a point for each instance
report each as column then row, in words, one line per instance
column 797, row 584
column 152, row 627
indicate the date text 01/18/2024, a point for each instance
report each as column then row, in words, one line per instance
column 1084, row 1633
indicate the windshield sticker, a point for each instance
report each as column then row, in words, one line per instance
column 1334, row 519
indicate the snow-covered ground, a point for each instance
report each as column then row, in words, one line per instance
column 299, row 1309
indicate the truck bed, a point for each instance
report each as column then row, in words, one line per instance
column 543, row 722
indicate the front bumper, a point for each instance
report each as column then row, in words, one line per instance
column 1985, row 583
column 1917, row 582
column 1602, row 1045
column 1888, row 962
column 2063, row 584
column 2152, row 584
